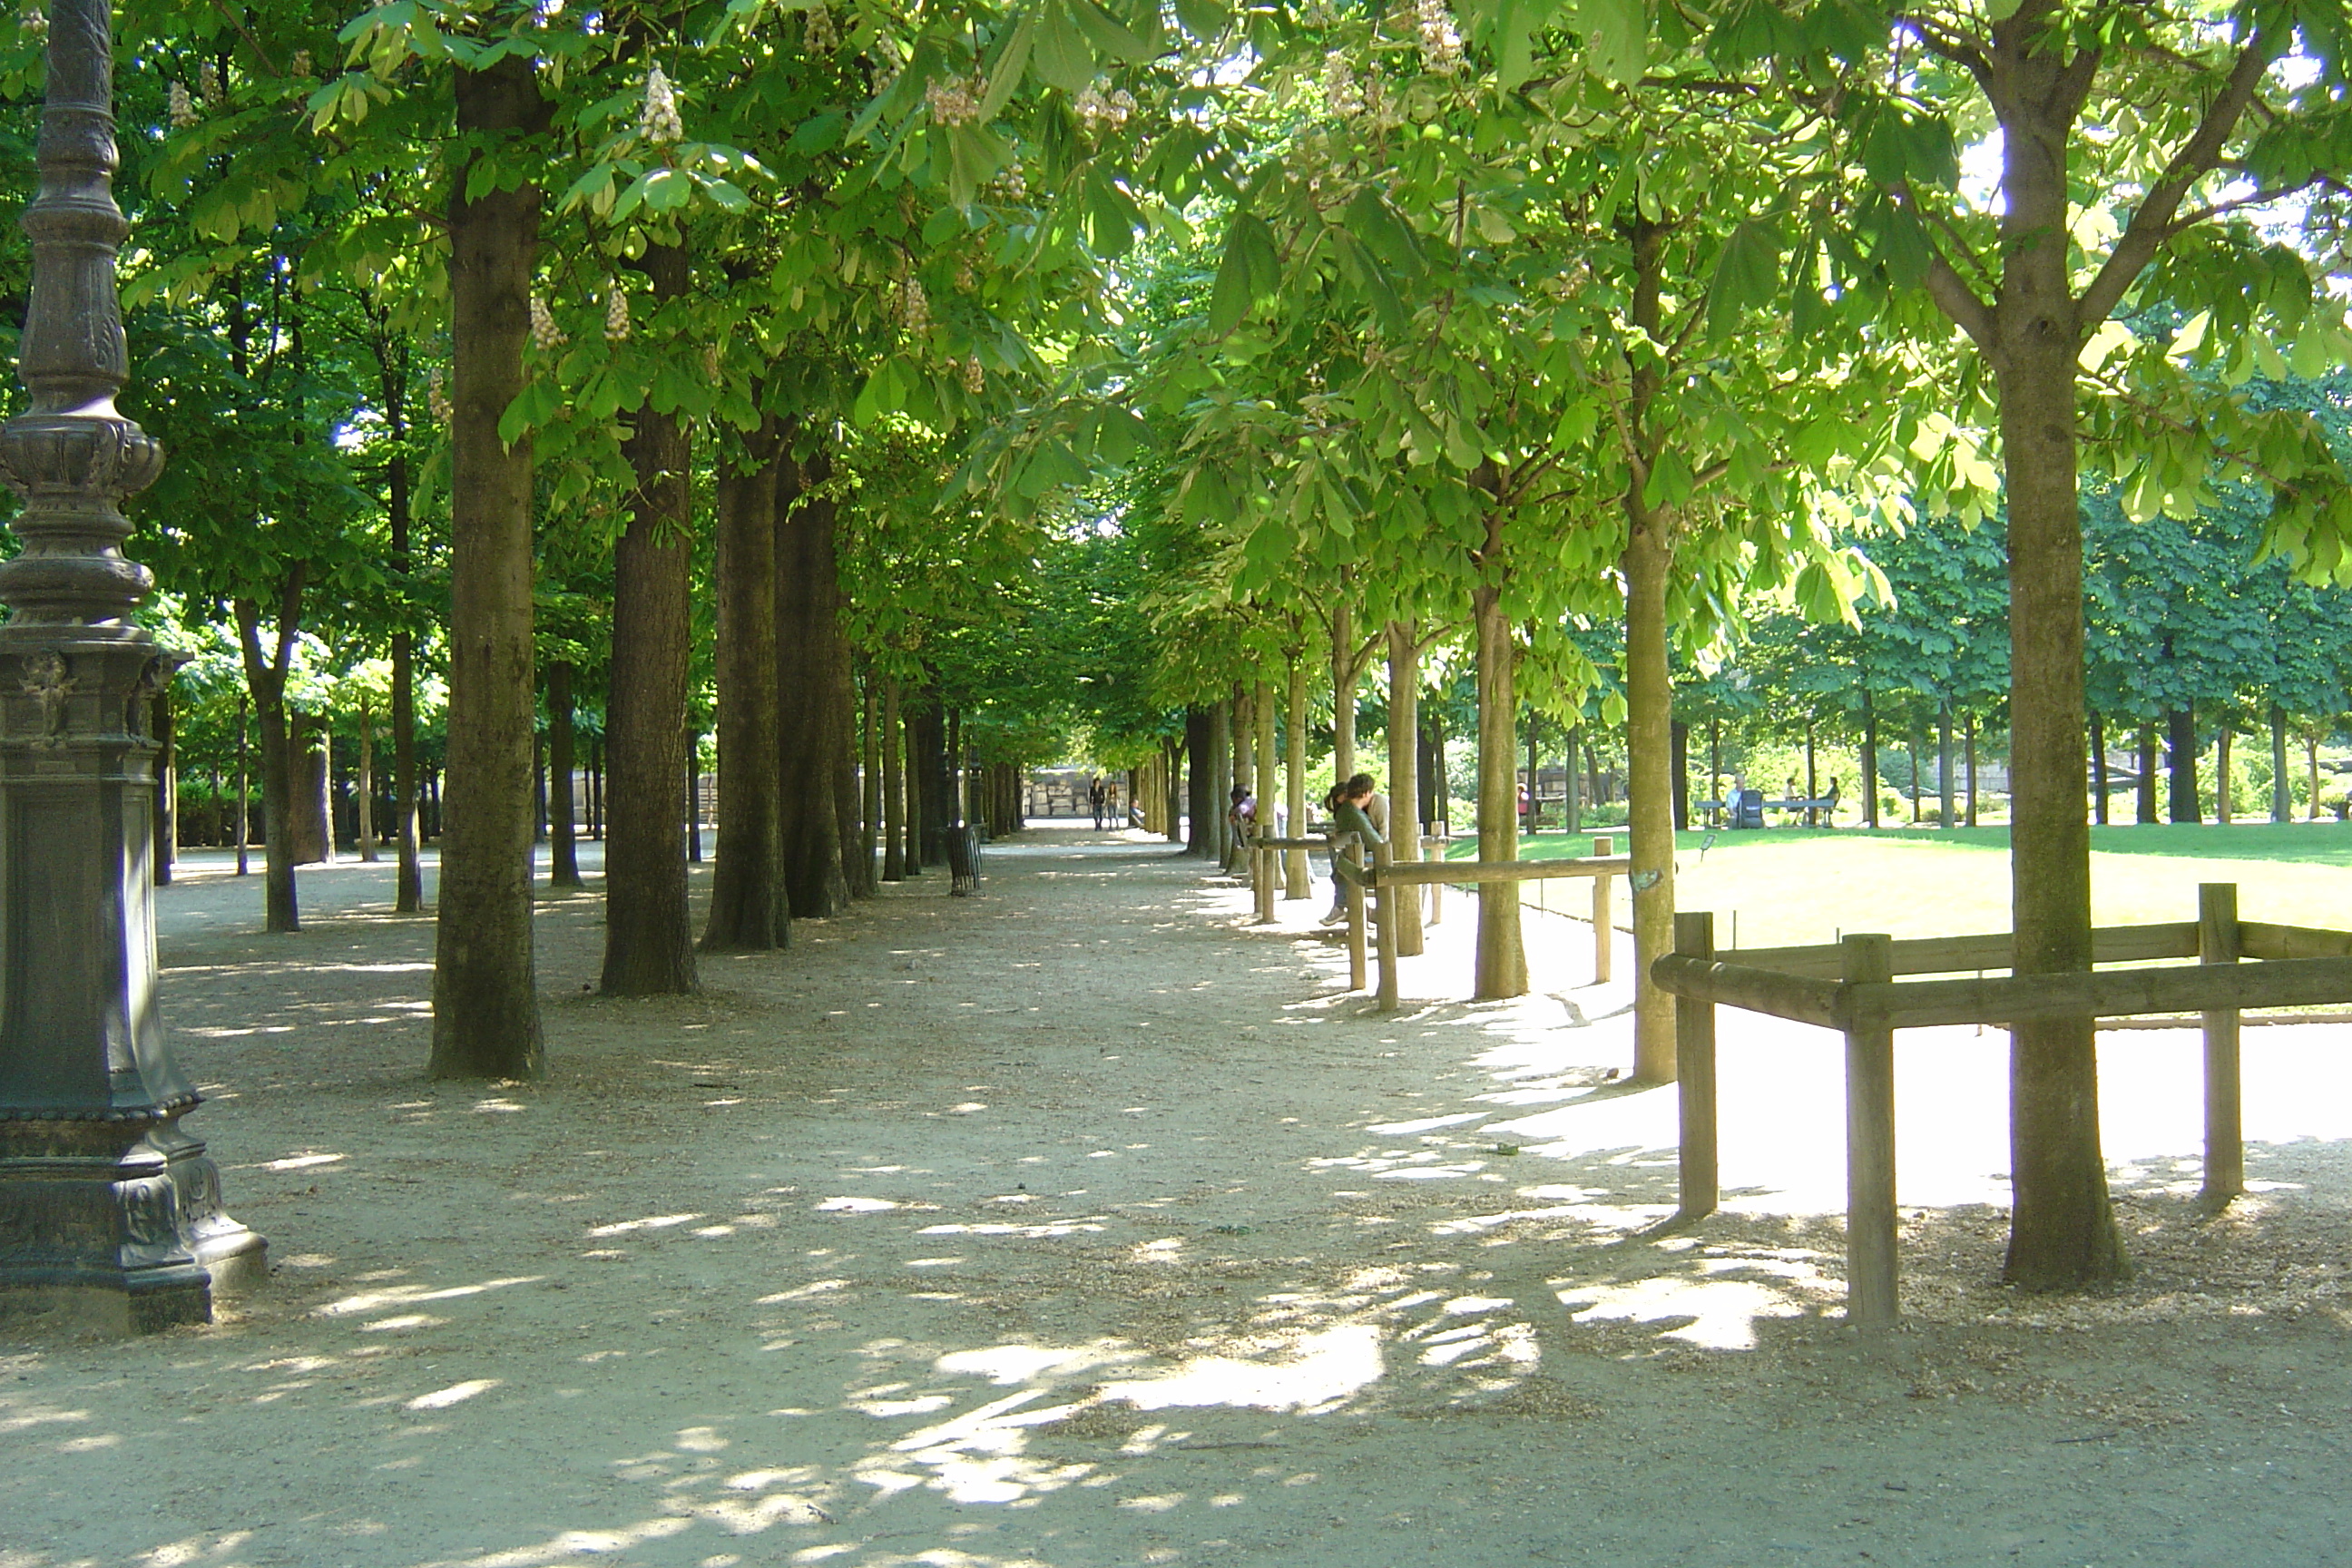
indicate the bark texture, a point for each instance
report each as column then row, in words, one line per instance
column 2063, row 1232
column 648, row 937
column 1199, row 783
column 1404, row 775
column 749, row 911
column 1649, row 787
column 1501, row 968
column 485, row 996
column 894, row 849
column 265, row 679
column 810, row 724
column 562, row 761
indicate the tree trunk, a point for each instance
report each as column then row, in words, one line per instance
column 1813, row 782
column 1869, row 761
column 848, row 797
column 1971, row 767
column 1944, row 817
column 1502, row 960
column 245, row 790
column 265, row 682
column 894, row 814
column 807, row 729
column 869, row 735
column 306, row 757
column 409, row 880
column 1299, row 880
column 538, row 787
column 563, row 831
column 1915, row 748
column 2180, row 756
column 485, row 999
column 1200, row 782
column 2098, row 770
column 693, row 794
column 1681, row 742
column 1571, row 806
column 648, row 940
column 927, row 759
column 1344, row 670
column 365, row 797
column 913, row 799
column 1649, row 784
column 1269, row 778
column 2145, row 796
column 2221, row 801
column 2062, row 1233
column 1171, row 784
column 1404, row 776
column 2282, row 797
column 2311, row 767
column 749, row 913
column 1221, row 780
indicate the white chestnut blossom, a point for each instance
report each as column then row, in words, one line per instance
column 659, row 122
column 544, row 332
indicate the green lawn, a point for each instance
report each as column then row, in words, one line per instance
column 1788, row 886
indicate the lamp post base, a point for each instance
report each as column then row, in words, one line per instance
column 115, row 1227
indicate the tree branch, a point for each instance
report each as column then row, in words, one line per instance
column 2153, row 223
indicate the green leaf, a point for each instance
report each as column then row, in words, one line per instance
column 1205, row 19
column 1670, row 483
column 1746, row 273
column 1059, row 55
column 1251, row 270
column 1618, row 32
column 1114, row 38
column 1005, row 70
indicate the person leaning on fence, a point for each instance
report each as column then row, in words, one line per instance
column 1242, row 813
column 1352, row 817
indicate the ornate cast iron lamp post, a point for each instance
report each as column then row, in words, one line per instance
column 106, row 1207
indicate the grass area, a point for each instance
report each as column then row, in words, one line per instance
column 1788, row 886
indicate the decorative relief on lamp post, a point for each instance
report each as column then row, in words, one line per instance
column 108, row 1208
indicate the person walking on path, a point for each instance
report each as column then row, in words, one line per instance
column 1359, row 812
column 1095, row 799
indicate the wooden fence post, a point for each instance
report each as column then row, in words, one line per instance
column 1355, row 853
column 1870, row 1267
column 1436, row 889
column 1384, row 911
column 1694, row 1082
column 2225, row 1145
column 1261, row 874
column 1603, row 847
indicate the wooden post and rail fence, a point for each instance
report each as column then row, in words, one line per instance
column 1854, row 988
column 1386, row 881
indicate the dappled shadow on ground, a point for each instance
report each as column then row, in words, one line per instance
column 976, row 1234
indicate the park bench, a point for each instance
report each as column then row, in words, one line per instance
column 1748, row 810
column 1853, row 987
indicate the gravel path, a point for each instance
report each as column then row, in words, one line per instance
column 1080, row 1224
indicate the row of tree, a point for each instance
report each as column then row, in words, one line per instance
column 1295, row 339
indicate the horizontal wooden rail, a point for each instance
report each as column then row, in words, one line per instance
column 1807, row 999
column 1290, row 843
column 1457, row 871
column 1949, row 954
column 1787, row 981
column 1419, row 873
column 2279, row 982
column 1853, row 987
column 2258, row 939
